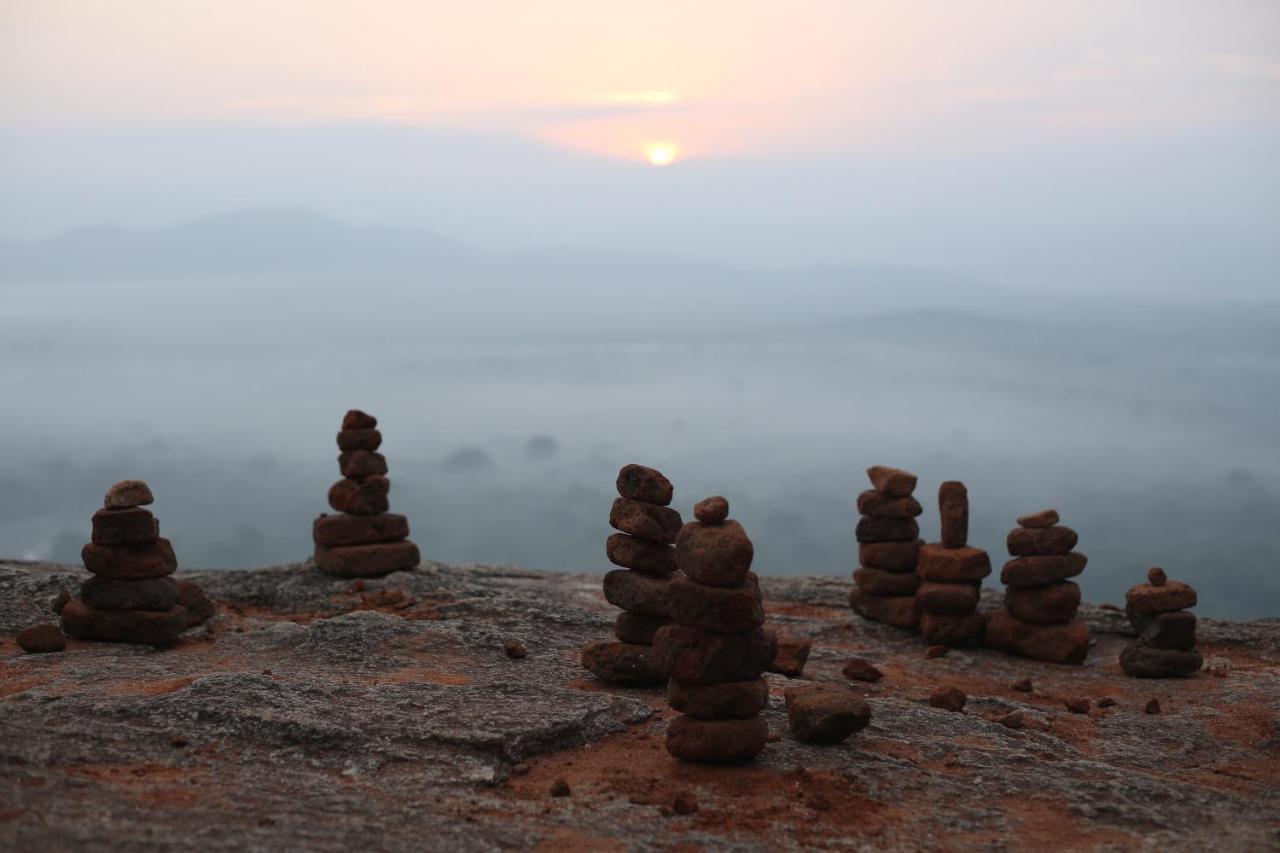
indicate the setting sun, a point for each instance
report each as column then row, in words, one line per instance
column 662, row 153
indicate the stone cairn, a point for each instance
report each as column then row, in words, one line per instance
column 131, row 597
column 951, row 572
column 716, row 653
column 1166, row 645
column 364, row 539
column 644, row 549
column 885, row 581
column 1039, row 617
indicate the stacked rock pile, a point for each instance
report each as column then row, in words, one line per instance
column 1166, row 644
column 716, row 653
column 364, row 539
column 644, row 549
column 1039, row 618
column 885, row 581
column 131, row 597
column 951, row 572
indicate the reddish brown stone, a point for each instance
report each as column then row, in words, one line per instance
column 148, row 594
column 862, row 670
column 945, row 599
column 143, row 627
column 953, row 507
column 936, row 651
column 41, row 639
column 711, row 510
column 1173, row 630
column 880, row 582
column 1039, row 520
column 727, row 700
column 1044, row 541
column 893, row 482
column 872, row 502
column 1143, row 661
column 714, row 608
column 1148, row 599
column 948, row 698
column 1152, row 707
column 1078, row 705
column 132, row 526
column 890, row 556
column 361, row 497
column 153, row 560
column 362, row 561
column 362, row 463
column 875, row 529
column 59, row 601
column 1042, row 571
column 636, row 592
column 940, row 564
column 359, row 439
column 1055, row 604
column 622, row 663
column 126, row 494
column 896, row 610
column 791, row 653
column 515, row 649
column 647, row 485
column 827, row 713
column 1156, row 576
column 336, row 531
column 356, row 419
column 698, row 657
column 1053, row 643
column 635, row 628
column 199, row 606
column 957, row 630
column 632, row 553
column 716, row 741
column 646, row 521
column 714, row 554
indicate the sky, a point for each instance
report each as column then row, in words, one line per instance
column 843, row 132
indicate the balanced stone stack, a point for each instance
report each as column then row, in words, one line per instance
column 716, row 652
column 1166, row 644
column 1039, row 620
column 131, row 597
column 365, row 539
column 645, row 550
column 885, row 581
column 951, row 572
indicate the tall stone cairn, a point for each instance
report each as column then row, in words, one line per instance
column 886, row 581
column 716, row 653
column 951, row 573
column 644, row 549
column 1159, row 611
column 364, row 539
column 1039, row 617
column 131, row 597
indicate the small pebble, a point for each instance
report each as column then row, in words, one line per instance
column 948, row 699
column 1156, row 576
column 1153, row 707
column 60, row 601
column 560, row 788
column 1011, row 720
column 1023, row 686
column 178, row 742
column 519, row 769
column 684, row 803
column 936, row 651
column 1107, row 702
column 862, row 670
column 515, row 649
column 41, row 638
column 713, row 510
column 1078, row 706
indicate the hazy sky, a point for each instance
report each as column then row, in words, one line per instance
column 927, row 132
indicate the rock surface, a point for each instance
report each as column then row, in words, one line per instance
column 318, row 713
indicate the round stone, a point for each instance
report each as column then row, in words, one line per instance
column 711, row 510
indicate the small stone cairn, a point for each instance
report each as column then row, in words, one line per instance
column 644, row 549
column 364, row 540
column 716, row 653
column 1159, row 611
column 131, row 597
column 886, row 581
column 1039, row 617
column 952, row 573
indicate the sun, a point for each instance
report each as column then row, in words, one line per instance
column 661, row 153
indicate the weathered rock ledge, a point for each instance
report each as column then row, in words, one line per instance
column 314, row 713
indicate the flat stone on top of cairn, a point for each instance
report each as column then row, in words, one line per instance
column 644, row 550
column 131, row 597
column 364, row 539
column 951, row 573
column 1039, row 618
column 716, row 652
column 1166, row 645
column 886, row 581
